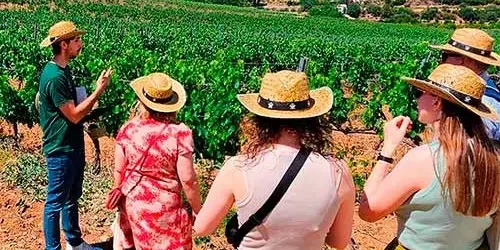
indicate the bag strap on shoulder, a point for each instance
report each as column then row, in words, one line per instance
column 258, row 217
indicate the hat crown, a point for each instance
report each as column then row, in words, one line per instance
column 285, row 86
column 460, row 79
column 474, row 38
column 62, row 28
column 158, row 85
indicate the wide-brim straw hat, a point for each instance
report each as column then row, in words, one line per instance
column 61, row 31
column 459, row 85
column 286, row 95
column 472, row 43
column 160, row 92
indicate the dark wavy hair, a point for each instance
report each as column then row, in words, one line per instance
column 261, row 132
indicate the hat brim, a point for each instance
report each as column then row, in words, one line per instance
column 175, row 104
column 46, row 42
column 482, row 110
column 323, row 101
column 493, row 59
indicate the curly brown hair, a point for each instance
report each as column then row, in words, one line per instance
column 260, row 132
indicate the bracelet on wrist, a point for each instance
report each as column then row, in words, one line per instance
column 381, row 157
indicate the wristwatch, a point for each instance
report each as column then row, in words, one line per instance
column 389, row 160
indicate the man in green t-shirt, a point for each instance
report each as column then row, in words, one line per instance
column 63, row 144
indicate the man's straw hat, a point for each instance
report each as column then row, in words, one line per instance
column 472, row 43
column 286, row 95
column 459, row 85
column 159, row 92
column 60, row 31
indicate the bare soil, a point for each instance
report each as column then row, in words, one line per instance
column 21, row 219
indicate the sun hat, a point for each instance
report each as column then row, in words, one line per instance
column 60, row 31
column 286, row 95
column 459, row 85
column 472, row 43
column 159, row 92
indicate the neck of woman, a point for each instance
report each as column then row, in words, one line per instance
column 289, row 139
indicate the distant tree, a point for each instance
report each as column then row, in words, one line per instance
column 468, row 14
column 489, row 14
column 354, row 10
column 451, row 2
column 430, row 14
column 387, row 11
column 477, row 2
column 375, row 10
column 329, row 10
column 308, row 4
column 398, row 2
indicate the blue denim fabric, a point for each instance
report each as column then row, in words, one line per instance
column 492, row 99
column 65, row 180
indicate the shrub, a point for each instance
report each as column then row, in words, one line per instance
column 450, row 2
column 489, row 14
column 402, row 18
column 430, row 14
column 375, row 10
column 387, row 11
column 468, row 14
column 328, row 10
column 477, row 2
column 354, row 10
column 308, row 4
column 398, row 2
column 28, row 173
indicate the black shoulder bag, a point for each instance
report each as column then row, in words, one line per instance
column 234, row 234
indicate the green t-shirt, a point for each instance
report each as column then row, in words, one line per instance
column 60, row 135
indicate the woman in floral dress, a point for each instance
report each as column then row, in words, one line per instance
column 153, row 163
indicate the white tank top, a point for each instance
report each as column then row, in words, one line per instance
column 303, row 217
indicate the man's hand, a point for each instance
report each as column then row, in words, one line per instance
column 76, row 113
column 103, row 80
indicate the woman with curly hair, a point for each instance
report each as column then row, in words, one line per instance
column 286, row 118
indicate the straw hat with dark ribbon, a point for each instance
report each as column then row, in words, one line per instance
column 60, row 31
column 159, row 92
column 459, row 85
column 286, row 95
column 472, row 43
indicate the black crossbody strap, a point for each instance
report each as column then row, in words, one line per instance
column 271, row 202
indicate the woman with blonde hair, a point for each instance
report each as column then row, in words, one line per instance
column 444, row 193
column 288, row 192
column 153, row 164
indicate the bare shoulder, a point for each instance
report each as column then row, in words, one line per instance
column 346, row 186
column 417, row 155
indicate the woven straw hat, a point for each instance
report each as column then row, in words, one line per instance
column 459, row 85
column 472, row 43
column 286, row 95
column 60, row 31
column 159, row 92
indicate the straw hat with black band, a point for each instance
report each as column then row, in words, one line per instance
column 459, row 85
column 159, row 92
column 472, row 43
column 286, row 95
column 61, row 31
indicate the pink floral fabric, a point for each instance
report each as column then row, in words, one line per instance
column 152, row 216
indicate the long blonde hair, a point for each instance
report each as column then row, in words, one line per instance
column 472, row 164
